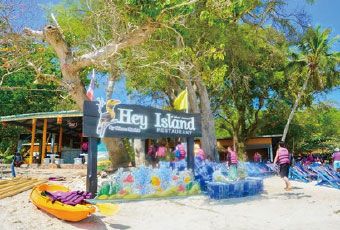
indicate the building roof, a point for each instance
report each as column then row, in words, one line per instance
column 28, row 116
column 71, row 121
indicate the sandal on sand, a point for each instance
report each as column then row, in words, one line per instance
column 288, row 189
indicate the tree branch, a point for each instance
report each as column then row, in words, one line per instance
column 133, row 38
column 34, row 33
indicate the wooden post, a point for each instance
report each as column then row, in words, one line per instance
column 43, row 152
column 34, row 124
column 190, row 153
column 60, row 142
column 91, row 178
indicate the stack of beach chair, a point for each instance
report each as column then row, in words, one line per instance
column 327, row 176
column 323, row 174
column 298, row 174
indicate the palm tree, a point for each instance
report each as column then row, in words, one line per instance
column 316, row 60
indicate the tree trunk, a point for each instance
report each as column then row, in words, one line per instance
column 192, row 99
column 111, row 79
column 241, row 149
column 71, row 79
column 139, row 148
column 239, row 145
column 208, row 123
column 291, row 115
column 117, row 152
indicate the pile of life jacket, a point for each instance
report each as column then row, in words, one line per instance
column 70, row 198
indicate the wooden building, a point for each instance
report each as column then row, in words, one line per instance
column 52, row 133
column 265, row 145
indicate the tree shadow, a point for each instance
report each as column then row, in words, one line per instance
column 294, row 188
column 293, row 195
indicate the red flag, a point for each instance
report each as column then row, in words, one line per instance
column 90, row 90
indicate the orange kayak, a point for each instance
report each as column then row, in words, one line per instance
column 58, row 209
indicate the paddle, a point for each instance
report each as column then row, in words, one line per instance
column 108, row 209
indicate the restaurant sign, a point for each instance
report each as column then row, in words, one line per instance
column 113, row 119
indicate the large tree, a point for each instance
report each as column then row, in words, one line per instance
column 92, row 34
column 180, row 57
column 247, row 78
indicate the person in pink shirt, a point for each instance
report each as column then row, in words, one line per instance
column 161, row 152
column 180, row 152
column 282, row 156
column 336, row 159
column 199, row 153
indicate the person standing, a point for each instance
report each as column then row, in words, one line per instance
column 151, row 154
column 199, row 153
column 232, row 162
column 282, row 156
column 84, row 151
column 13, row 165
column 161, row 152
column 336, row 159
column 180, row 152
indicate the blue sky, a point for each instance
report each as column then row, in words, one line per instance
column 323, row 12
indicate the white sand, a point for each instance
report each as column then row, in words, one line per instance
column 306, row 207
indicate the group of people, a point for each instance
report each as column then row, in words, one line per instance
column 160, row 151
column 317, row 158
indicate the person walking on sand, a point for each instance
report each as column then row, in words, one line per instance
column 282, row 156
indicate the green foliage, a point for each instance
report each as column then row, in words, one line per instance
column 26, row 88
column 315, row 59
column 314, row 128
column 93, row 24
column 255, row 59
column 220, row 12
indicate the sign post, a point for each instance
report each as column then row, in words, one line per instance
column 91, row 177
column 112, row 119
column 191, row 155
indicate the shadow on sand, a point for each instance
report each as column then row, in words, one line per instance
column 119, row 226
column 232, row 201
column 96, row 222
column 92, row 222
column 293, row 195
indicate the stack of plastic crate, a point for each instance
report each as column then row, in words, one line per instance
column 234, row 189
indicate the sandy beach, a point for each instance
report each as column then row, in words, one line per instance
column 306, row 207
